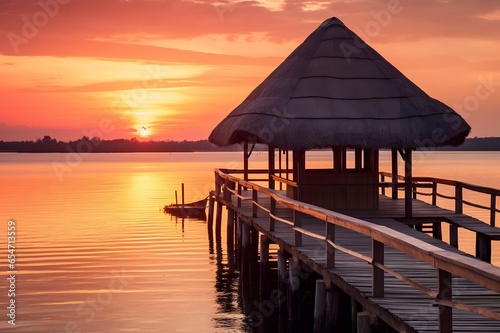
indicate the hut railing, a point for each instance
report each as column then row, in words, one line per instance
column 455, row 193
column 446, row 262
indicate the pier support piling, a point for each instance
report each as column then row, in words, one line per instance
column 264, row 267
column 338, row 311
column 210, row 220
column 282, row 289
column 363, row 322
column 319, row 307
column 218, row 219
column 294, row 295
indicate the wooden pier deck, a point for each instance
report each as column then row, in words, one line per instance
column 410, row 280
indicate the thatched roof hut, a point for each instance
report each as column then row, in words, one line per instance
column 333, row 91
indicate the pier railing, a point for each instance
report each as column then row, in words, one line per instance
column 457, row 189
column 446, row 262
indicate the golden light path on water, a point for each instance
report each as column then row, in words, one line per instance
column 95, row 254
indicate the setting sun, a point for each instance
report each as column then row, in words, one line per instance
column 144, row 131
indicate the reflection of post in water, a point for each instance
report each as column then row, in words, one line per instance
column 210, row 241
column 226, row 280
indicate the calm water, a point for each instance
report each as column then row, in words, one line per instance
column 95, row 254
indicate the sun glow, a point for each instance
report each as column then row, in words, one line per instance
column 144, row 131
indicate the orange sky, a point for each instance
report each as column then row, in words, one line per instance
column 171, row 70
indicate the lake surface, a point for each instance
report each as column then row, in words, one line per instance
column 94, row 252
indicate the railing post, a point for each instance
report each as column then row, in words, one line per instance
column 458, row 210
column 493, row 209
column 382, row 180
column 458, row 198
column 408, row 184
column 330, row 250
column 297, row 222
column 377, row 273
column 272, row 211
column 445, row 294
column 394, row 158
column 434, row 193
column 239, row 194
column 414, row 190
column 227, row 194
column 254, row 203
column 217, row 184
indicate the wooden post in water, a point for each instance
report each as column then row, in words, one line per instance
column 294, row 295
column 230, row 238
column 239, row 251
column 282, row 289
column 264, row 267
column 254, row 259
column 363, row 322
column 338, row 311
column 218, row 219
column 319, row 307
column 182, row 186
column 210, row 222
column 245, row 244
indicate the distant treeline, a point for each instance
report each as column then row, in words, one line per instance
column 97, row 145
column 476, row 144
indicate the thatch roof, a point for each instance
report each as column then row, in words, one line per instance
column 334, row 90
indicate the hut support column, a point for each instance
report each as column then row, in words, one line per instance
column 299, row 167
column 245, row 161
column 394, row 158
column 408, row 184
column 271, row 163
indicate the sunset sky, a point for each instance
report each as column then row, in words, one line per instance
column 171, row 70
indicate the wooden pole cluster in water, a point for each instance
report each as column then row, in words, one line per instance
column 281, row 304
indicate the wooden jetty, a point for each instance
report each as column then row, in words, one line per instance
column 411, row 281
column 335, row 92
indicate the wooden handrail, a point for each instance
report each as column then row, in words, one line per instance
column 472, row 187
column 469, row 268
column 458, row 195
column 418, row 182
